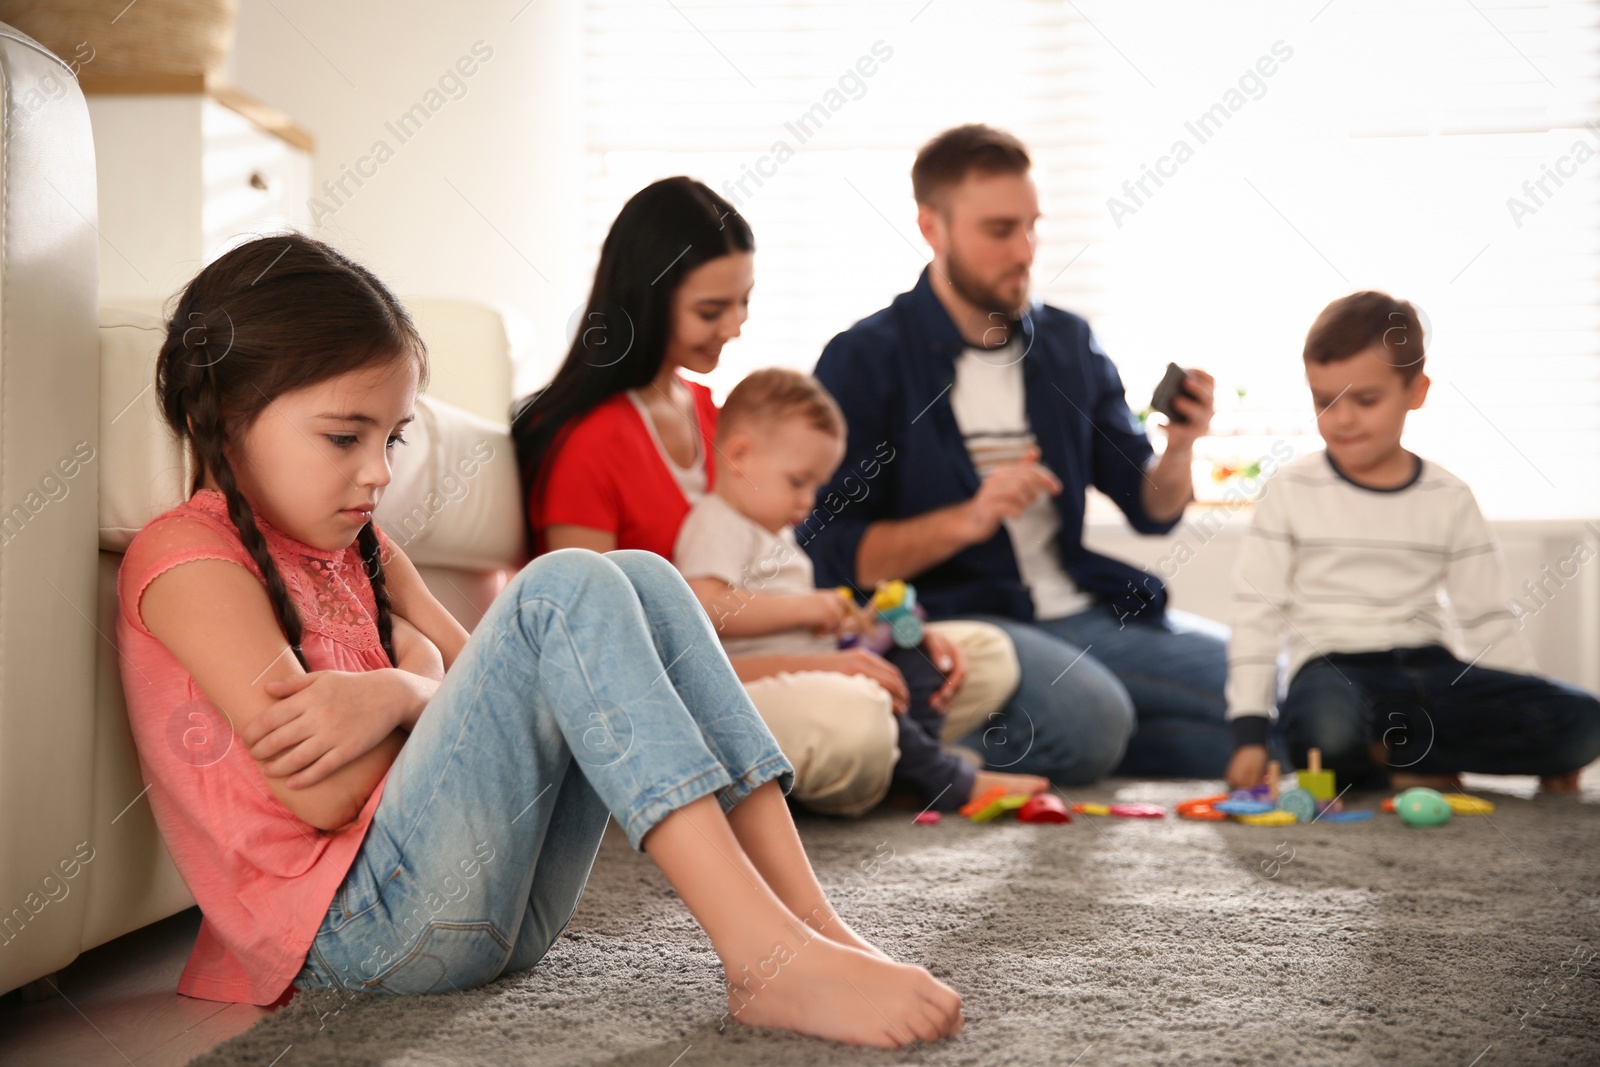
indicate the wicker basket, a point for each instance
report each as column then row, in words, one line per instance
column 146, row 37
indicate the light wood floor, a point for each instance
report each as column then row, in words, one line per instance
column 119, row 1005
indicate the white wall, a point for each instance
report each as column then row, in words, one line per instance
column 481, row 201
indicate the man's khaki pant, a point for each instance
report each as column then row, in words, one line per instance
column 839, row 730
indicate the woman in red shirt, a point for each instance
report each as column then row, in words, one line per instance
column 615, row 449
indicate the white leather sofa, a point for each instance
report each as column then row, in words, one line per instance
column 85, row 461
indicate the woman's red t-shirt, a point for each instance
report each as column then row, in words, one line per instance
column 607, row 474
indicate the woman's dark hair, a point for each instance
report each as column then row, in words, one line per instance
column 273, row 315
column 663, row 232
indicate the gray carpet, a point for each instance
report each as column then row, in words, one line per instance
column 1107, row 941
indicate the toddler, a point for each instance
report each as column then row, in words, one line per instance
column 780, row 436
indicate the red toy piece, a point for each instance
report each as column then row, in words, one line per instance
column 1043, row 807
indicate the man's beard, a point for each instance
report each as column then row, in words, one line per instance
column 975, row 292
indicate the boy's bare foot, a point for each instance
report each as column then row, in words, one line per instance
column 828, row 990
column 1560, row 783
column 1442, row 782
column 984, row 781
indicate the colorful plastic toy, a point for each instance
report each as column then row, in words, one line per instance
column 896, row 604
column 1422, row 807
column 1345, row 816
column 1121, row 809
column 1043, row 807
column 1252, row 806
column 1203, row 809
column 1233, row 806
column 1461, row 804
column 982, row 800
column 926, row 818
column 1275, row 817
column 895, row 610
column 1138, row 811
column 999, row 806
column 994, row 803
column 1314, row 780
column 1299, row 803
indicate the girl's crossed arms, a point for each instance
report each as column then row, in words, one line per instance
column 324, row 739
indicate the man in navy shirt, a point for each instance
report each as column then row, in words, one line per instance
column 977, row 420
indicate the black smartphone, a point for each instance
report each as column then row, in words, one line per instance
column 1170, row 386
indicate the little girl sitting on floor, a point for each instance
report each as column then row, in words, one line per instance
column 360, row 795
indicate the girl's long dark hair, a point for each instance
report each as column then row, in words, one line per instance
column 273, row 315
column 663, row 232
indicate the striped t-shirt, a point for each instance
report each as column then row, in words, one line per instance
column 1332, row 566
column 990, row 408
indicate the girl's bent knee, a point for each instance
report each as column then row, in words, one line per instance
column 564, row 572
column 647, row 571
column 638, row 560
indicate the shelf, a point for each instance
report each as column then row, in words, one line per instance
column 264, row 116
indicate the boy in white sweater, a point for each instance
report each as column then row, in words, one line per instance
column 1346, row 557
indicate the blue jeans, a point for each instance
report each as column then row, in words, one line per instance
column 594, row 687
column 1435, row 716
column 1099, row 696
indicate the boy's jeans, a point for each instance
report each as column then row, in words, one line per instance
column 1435, row 715
column 593, row 687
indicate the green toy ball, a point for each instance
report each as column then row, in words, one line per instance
column 1422, row 807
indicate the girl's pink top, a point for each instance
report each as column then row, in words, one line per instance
column 263, row 877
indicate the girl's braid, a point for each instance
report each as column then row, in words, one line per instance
column 371, row 554
column 209, row 437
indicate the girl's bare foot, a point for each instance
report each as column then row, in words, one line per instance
column 984, row 781
column 1442, row 782
column 780, row 971
column 1560, row 783
column 835, row 929
column 829, row 990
